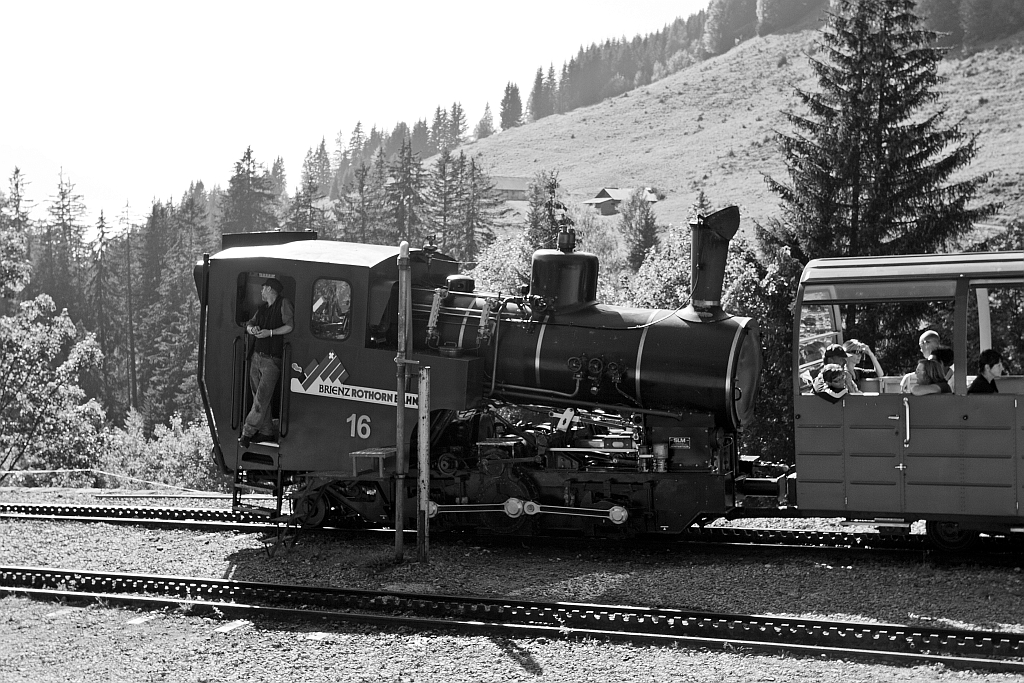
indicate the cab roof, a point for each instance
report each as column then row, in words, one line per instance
column 985, row 264
column 318, row 251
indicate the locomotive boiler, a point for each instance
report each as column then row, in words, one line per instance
column 550, row 411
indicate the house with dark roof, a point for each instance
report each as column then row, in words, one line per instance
column 608, row 199
column 511, row 188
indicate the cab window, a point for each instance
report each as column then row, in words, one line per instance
column 332, row 301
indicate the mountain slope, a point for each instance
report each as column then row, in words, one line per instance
column 711, row 126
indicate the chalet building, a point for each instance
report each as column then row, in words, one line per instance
column 608, row 199
column 511, row 188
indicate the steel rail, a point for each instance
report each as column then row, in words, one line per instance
column 243, row 521
column 989, row 650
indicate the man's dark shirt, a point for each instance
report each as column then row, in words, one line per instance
column 980, row 385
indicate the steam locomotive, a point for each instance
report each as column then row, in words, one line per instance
column 549, row 411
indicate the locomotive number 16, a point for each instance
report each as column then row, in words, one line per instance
column 360, row 426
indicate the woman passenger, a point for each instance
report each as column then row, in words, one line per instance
column 931, row 379
column 856, row 351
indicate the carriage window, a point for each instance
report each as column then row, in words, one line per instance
column 332, row 300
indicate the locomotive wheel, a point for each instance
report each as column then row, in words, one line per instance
column 311, row 510
column 949, row 536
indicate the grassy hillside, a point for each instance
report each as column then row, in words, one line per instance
column 711, row 126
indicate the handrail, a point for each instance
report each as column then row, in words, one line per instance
column 286, row 394
column 204, row 391
column 906, row 406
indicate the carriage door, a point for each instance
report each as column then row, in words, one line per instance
column 849, row 454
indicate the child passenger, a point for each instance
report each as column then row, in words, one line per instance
column 832, row 386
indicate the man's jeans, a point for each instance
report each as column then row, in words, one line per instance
column 264, row 372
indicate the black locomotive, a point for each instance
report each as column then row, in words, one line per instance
column 549, row 410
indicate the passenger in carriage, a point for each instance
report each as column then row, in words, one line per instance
column 990, row 366
column 831, row 383
column 944, row 355
column 856, row 351
column 927, row 342
column 931, row 378
column 834, row 354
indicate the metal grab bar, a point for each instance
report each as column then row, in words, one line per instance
column 906, row 408
column 286, row 393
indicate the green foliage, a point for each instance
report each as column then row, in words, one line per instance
column 45, row 419
column 177, row 454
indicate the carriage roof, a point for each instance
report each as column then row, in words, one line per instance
column 987, row 264
column 318, row 251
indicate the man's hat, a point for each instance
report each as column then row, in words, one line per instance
column 834, row 350
column 276, row 285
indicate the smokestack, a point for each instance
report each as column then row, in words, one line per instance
column 709, row 249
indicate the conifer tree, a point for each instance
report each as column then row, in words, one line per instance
column 405, row 197
column 15, row 226
column 869, row 168
column 61, row 257
column 511, row 107
column 441, row 195
column 538, row 102
column 457, row 126
column 440, row 130
column 279, row 188
column 541, row 226
column 480, row 209
column 485, row 127
column 379, row 215
column 639, row 228
column 420, row 137
column 356, row 142
column 249, row 202
column 357, row 198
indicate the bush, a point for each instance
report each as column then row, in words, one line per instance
column 177, row 455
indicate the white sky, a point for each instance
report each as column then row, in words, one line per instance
column 135, row 100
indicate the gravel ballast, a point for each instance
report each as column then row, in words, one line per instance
column 93, row 643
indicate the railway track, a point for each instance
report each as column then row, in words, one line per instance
column 891, row 643
column 224, row 519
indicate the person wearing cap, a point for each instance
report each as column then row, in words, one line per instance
column 833, row 385
column 273, row 319
column 856, row 351
column 834, row 354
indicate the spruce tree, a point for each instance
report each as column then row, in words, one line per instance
column 870, row 164
column 538, row 97
column 405, row 196
column 420, row 137
column 15, row 225
column 511, row 107
column 62, row 257
column 439, row 132
column 442, row 201
column 457, row 126
column 485, row 127
column 639, row 228
column 479, row 210
column 249, row 205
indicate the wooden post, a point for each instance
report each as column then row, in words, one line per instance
column 401, row 466
column 423, row 464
